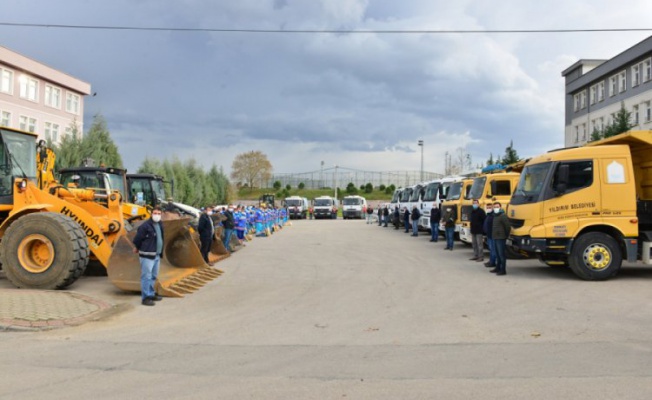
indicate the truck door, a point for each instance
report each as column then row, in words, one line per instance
column 573, row 195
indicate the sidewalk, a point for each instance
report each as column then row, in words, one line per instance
column 32, row 310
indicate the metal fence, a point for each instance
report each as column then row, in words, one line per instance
column 341, row 177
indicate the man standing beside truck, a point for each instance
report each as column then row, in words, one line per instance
column 500, row 232
column 477, row 218
column 206, row 232
column 435, row 216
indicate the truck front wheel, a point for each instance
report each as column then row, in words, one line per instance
column 595, row 257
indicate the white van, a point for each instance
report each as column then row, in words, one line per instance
column 325, row 207
column 297, row 207
column 434, row 194
column 354, row 207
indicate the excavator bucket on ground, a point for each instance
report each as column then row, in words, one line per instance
column 182, row 269
column 218, row 251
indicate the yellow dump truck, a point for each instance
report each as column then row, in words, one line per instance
column 589, row 207
column 457, row 192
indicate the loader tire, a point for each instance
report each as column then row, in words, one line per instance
column 44, row 250
column 595, row 257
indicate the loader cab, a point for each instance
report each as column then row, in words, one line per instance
column 17, row 159
column 146, row 189
column 100, row 179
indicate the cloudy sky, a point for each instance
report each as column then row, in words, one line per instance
column 354, row 100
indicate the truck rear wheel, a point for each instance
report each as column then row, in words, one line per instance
column 44, row 250
column 595, row 256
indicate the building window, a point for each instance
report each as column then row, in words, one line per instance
column 576, row 102
column 52, row 96
column 594, row 125
column 600, row 91
column 635, row 114
column 5, row 118
column 584, row 132
column 647, row 70
column 601, row 123
column 577, row 134
column 636, row 75
column 648, row 111
column 51, row 132
column 31, row 125
column 613, row 85
column 28, row 88
column 623, row 82
column 593, row 94
column 22, row 123
column 72, row 103
column 583, row 99
column 6, row 81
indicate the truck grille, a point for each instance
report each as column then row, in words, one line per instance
column 516, row 223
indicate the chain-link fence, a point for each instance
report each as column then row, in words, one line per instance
column 341, row 177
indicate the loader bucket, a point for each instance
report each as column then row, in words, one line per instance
column 182, row 269
column 218, row 251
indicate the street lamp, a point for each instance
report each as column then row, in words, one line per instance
column 421, row 145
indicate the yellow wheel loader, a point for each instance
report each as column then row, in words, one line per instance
column 48, row 232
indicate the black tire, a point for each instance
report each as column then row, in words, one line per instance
column 68, row 243
column 595, row 256
column 512, row 254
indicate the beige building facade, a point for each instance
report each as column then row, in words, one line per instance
column 37, row 98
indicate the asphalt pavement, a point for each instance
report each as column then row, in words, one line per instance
column 333, row 309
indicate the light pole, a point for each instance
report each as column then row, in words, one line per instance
column 421, row 145
column 335, row 178
column 321, row 176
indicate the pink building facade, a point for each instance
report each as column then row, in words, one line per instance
column 40, row 99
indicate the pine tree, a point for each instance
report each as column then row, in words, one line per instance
column 510, row 154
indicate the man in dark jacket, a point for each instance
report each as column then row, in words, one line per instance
column 500, row 232
column 488, row 230
column 149, row 246
column 415, row 220
column 477, row 218
column 397, row 218
column 206, row 232
column 385, row 215
column 448, row 220
column 435, row 216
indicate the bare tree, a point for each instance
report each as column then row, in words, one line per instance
column 251, row 167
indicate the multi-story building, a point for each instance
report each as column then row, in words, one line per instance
column 597, row 89
column 40, row 99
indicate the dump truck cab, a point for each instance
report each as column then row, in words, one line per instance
column 354, row 207
column 456, row 193
column 588, row 207
column 494, row 185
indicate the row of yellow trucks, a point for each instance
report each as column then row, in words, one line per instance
column 588, row 208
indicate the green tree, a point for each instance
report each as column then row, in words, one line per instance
column 277, row 185
column 595, row 135
column 288, row 187
column 351, row 189
column 301, row 186
column 381, row 188
column 368, row 188
column 392, row 187
column 388, row 190
column 491, row 161
column 510, row 154
column 98, row 145
column 621, row 123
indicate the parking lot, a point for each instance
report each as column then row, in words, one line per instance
column 328, row 309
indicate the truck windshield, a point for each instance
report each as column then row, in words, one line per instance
column 416, row 193
column 445, row 187
column 351, row 202
column 405, row 196
column 455, row 191
column 478, row 187
column 292, row 202
column 397, row 195
column 531, row 183
column 323, row 202
column 430, row 194
column 158, row 188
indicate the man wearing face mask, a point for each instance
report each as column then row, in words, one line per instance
column 229, row 225
column 149, row 246
column 448, row 220
column 206, row 232
column 500, row 232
